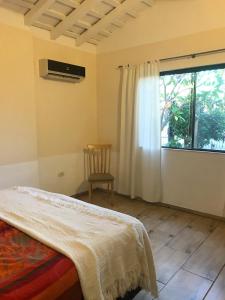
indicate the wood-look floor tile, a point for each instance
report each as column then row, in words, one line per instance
column 167, row 262
column 143, row 295
column 159, row 239
column 174, row 236
column 191, row 237
column 160, row 285
column 185, row 286
column 209, row 259
column 204, row 224
column 217, row 292
column 175, row 223
column 188, row 240
column 100, row 199
column 154, row 216
column 133, row 210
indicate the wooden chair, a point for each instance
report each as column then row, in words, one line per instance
column 97, row 165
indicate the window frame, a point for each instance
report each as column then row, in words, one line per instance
column 193, row 70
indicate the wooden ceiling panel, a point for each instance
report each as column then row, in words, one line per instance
column 12, row 5
column 61, row 8
column 90, row 19
column 84, row 20
column 77, row 29
column 43, row 26
column 104, row 8
column 45, row 19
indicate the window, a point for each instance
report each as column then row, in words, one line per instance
column 193, row 108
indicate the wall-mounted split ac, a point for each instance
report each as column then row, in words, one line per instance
column 55, row 70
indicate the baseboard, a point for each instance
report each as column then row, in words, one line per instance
column 202, row 214
column 195, row 212
column 187, row 210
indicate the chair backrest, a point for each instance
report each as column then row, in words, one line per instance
column 97, row 158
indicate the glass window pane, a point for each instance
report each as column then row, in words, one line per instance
column 209, row 129
column 176, row 110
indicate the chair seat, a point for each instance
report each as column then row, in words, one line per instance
column 100, row 177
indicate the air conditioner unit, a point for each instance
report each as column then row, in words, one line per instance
column 55, row 70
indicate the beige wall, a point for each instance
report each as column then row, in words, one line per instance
column 17, row 109
column 43, row 124
column 66, row 118
column 66, row 112
column 190, row 179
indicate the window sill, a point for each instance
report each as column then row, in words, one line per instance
column 194, row 150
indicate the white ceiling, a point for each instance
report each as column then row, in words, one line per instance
column 84, row 20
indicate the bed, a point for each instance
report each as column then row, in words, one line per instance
column 31, row 270
column 33, row 267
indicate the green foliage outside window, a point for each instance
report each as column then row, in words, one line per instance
column 193, row 110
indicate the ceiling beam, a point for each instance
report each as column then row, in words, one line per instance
column 95, row 14
column 37, row 11
column 55, row 14
column 74, row 16
column 82, row 24
column 108, row 19
column 70, row 3
column 71, row 34
column 113, row 3
column 132, row 13
column 20, row 3
column 118, row 23
column 94, row 41
column 105, row 33
column 43, row 26
column 148, row 2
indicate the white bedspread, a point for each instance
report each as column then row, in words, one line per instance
column 111, row 250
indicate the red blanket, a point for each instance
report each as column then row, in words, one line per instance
column 31, row 270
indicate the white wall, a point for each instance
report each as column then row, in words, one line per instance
column 25, row 173
column 63, row 173
column 194, row 180
column 191, row 179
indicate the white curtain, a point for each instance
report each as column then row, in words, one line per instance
column 139, row 168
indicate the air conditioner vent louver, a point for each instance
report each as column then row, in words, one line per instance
column 55, row 70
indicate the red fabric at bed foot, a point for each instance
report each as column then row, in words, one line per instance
column 31, row 270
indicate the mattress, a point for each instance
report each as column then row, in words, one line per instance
column 31, row 270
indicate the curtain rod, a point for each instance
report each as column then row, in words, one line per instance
column 193, row 55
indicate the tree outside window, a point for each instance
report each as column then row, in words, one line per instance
column 193, row 109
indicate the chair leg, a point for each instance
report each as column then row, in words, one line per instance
column 90, row 191
column 108, row 185
column 112, row 187
column 111, row 194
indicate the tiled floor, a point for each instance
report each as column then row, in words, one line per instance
column 189, row 250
